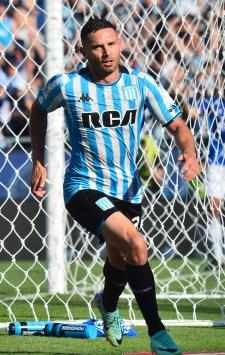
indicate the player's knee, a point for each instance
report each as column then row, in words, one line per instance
column 137, row 251
column 117, row 261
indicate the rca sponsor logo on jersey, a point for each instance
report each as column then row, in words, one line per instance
column 108, row 119
column 130, row 92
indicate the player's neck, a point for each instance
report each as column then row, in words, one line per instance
column 105, row 78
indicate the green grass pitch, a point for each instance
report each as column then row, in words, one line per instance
column 191, row 339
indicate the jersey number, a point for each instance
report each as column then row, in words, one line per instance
column 108, row 119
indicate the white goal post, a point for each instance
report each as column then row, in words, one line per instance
column 47, row 257
column 56, row 162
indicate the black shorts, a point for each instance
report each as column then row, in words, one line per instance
column 90, row 208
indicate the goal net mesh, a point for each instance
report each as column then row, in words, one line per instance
column 181, row 44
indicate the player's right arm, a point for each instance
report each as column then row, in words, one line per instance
column 49, row 99
column 38, row 127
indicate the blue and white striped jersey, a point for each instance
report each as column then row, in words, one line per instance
column 105, row 122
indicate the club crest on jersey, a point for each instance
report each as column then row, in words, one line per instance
column 130, row 92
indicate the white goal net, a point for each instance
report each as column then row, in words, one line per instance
column 49, row 265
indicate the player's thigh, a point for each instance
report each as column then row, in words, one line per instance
column 119, row 232
column 100, row 214
column 133, row 213
column 121, row 227
column 90, row 208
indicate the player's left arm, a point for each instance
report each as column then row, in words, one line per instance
column 186, row 143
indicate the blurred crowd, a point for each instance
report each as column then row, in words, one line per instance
column 180, row 43
column 21, row 64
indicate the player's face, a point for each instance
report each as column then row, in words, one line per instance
column 102, row 50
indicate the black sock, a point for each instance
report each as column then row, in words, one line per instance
column 141, row 281
column 115, row 282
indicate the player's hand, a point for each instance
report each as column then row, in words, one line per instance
column 38, row 179
column 190, row 166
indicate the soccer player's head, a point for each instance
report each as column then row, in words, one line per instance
column 100, row 45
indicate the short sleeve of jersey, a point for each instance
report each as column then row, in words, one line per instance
column 162, row 107
column 50, row 98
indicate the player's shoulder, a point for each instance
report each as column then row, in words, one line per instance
column 142, row 75
column 55, row 79
column 63, row 78
column 127, row 70
column 148, row 79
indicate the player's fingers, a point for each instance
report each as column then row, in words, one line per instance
column 188, row 174
column 42, row 180
column 40, row 192
column 191, row 171
column 190, row 164
column 35, row 178
column 38, row 179
column 186, row 166
column 186, row 163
